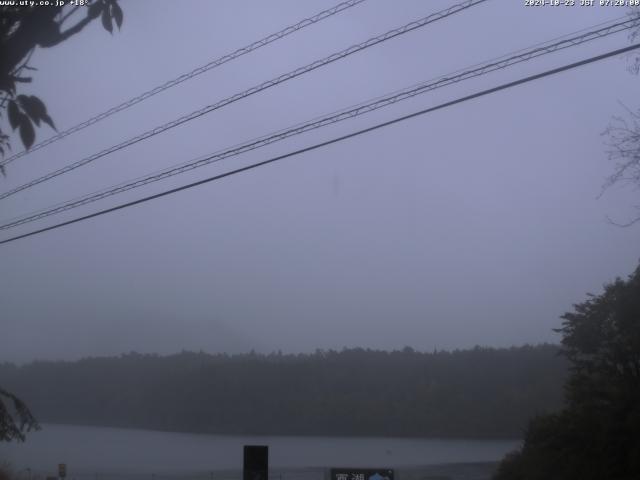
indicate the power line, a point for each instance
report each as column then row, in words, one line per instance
column 256, row 89
column 323, row 121
column 187, row 76
column 351, row 112
column 335, row 140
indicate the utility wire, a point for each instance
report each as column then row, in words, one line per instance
column 256, row 89
column 335, row 140
column 187, row 76
column 319, row 122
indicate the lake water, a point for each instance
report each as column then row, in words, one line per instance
column 96, row 451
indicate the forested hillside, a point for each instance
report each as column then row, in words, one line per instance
column 478, row 392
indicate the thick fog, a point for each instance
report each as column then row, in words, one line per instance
column 476, row 224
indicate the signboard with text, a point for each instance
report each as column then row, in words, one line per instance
column 361, row 474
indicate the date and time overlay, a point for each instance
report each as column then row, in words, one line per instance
column 581, row 3
column 527, row 3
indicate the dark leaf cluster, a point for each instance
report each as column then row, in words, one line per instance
column 24, row 112
column 24, row 28
column 10, row 429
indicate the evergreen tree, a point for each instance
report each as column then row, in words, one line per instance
column 597, row 434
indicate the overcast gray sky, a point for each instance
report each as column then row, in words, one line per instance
column 478, row 224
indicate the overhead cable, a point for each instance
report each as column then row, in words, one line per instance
column 188, row 76
column 361, row 109
column 332, row 141
column 251, row 91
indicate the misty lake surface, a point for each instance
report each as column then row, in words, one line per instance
column 90, row 450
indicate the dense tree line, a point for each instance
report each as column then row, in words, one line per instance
column 597, row 433
column 478, row 392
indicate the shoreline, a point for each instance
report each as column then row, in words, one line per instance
column 440, row 471
column 288, row 435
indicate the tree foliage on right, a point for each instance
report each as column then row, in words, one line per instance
column 623, row 135
column 597, row 434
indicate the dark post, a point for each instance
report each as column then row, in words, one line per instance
column 256, row 462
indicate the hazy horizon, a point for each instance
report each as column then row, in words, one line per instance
column 479, row 224
column 275, row 352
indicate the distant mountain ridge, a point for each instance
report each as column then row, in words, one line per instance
column 481, row 392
